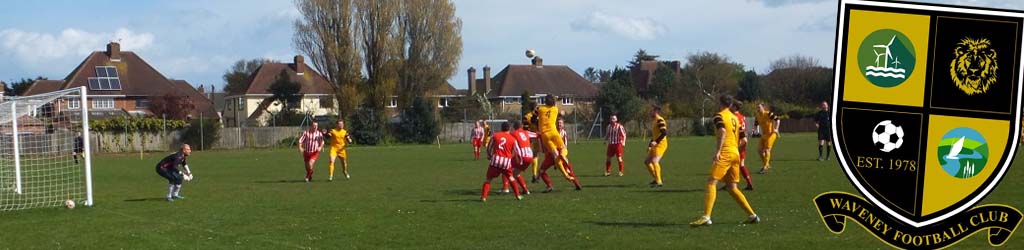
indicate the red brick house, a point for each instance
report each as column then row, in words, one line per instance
column 122, row 83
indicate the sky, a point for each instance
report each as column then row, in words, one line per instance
column 199, row 40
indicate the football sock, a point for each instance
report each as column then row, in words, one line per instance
column 764, row 159
column 828, row 151
column 657, row 172
column 487, row 189
column 547, row 180
column 170, row 190
column 819, row 150
column 177, row 190
column 746, row 175
column 330, row 168
column 709, row 200
column 522, row 182
column 504, row 183
column 767, row 159
column 561, row 167
column 621, row 169
column 740, row 199
column 607, row 166
column 536, row 165
column 515, row 188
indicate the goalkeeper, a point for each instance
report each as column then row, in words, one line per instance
column 168, row 168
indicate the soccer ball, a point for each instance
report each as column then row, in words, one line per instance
column 530, row 53
column 887, row 136
column 70, row 204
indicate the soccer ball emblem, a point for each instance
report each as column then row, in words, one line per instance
column 530, row 53
column 887, row 136
column 69, row 204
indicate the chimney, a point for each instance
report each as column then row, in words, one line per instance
column 299, row 62
column 471, row 74
column 538, row 62
column 202, row 89
column 114, row 51
column 676, row 66
column 487, row 79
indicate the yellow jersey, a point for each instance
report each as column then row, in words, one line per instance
column 767, row 121
column 656, row 126
column 547, row 118
column 726, row 119
column 528, row 122
column 338, row 138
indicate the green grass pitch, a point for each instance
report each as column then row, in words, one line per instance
column 426, row 197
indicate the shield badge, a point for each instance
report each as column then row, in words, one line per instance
column 927, row 104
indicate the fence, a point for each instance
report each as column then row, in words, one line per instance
column 230, row 138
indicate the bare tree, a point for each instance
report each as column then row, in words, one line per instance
column 326, row 33
column 431, row 47
column 793, row 62
column 379, row 42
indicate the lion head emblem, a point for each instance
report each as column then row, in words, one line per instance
column 974, row 68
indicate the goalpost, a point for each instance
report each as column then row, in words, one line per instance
column 39, row 137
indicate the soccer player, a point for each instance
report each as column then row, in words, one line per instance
column 310, row 144
column 478, row 139
column 525, row 153
column 616, row 139
column 487, row 133
column 501, row 155
column 769, row 123
column 168, row 168
column 823, row 121
column 530, row 126
column 79, row 147
column 657, row 147
column 725, row 166
column 552, row 143
column 339, row 139
column 735, row 108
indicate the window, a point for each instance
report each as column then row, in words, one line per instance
column 393, row 103
column 566, row 100
column 103, row 103
column 510, row 100
column 74, row 103
column 106, row 79
column 442, row 102
column 142, row 103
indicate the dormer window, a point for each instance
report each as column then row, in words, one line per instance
column 106, row 79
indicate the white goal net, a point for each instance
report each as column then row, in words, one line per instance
column 44, row 150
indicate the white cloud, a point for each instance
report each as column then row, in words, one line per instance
column 36, row 48
column 631, row 28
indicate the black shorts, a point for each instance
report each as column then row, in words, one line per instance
column 825, row 135
column 172, row 175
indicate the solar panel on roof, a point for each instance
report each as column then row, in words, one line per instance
column 115, row 84
column 101, row 72
column 112, row 71
column 104, row 83
column 94, row 83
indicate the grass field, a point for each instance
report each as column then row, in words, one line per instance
column 425, row 197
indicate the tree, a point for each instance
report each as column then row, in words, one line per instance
column 640, row 56
column 202, row 133
column 380, row 42
column 285, row 91
column 618, row 97
column 19, row 87
column 750, row 87
column 237, row 77
column 591, row 75
column 663, row 82
column 712, row 75
column 430, row 35
column 418, row 125
column 528, row 103
column 326, row 33
column 794, row 61
column 174, row 106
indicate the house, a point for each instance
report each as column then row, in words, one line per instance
column 505, row 89
column 255, row 106
column 121, row 83
column 644, row 74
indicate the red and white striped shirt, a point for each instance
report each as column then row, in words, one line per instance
column 478, row 133
column 565, row 139
column 503, row 146
column 523, row 143
column 616, row 133
column 311, row 141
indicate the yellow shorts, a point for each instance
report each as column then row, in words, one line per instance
column 552, row 140
column 768, row 141
column 339, row 152
column 727, row 168
column 658, row 150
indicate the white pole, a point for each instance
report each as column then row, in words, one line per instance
column 17, row 146
column 86, row 151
